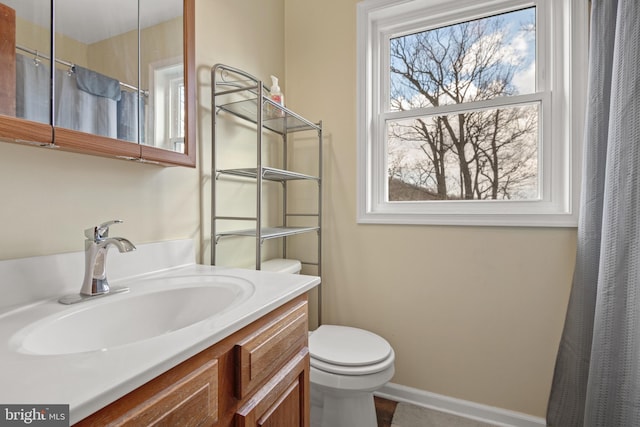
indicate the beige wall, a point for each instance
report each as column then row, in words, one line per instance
column 249, row 35
column 35, row 37
column 117, row 56
column 473, row 312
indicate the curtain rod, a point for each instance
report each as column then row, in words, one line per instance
column 71, row 65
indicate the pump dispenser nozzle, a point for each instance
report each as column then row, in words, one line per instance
column 276, row 94
column 274, row 84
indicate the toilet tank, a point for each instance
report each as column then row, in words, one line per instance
column 282, row 265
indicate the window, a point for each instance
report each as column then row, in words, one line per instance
column 176, row 113
column 470, row 113
column 167, row 105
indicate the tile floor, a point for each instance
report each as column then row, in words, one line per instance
column 394, row 414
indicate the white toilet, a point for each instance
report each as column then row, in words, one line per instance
column 347, row 366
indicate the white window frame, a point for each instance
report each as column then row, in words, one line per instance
column 176, row 113
column 561, row 60
column 165, row 77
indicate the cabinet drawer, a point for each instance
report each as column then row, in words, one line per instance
column 262, row 353
column 283, row 400
column 183, row 400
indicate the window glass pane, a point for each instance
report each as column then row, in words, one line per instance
column 177, row 108
column 480, row 155
column 471, row 61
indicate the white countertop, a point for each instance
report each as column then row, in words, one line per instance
column 91, row 380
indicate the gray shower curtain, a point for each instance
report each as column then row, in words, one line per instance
column 33, row 84
column 597, row 376
column 84, row 105
column 131, row 105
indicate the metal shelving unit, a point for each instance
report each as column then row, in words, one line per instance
column 241, row 95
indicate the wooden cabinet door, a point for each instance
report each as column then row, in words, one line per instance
column 283, row 401
column 185, row 396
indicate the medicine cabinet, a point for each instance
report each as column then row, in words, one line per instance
column 123, row 77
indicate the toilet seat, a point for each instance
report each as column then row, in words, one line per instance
column 353, row 370
column 345, row 350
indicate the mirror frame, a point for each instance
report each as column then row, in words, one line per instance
column 150, row 153
column 23, row 131
column 14, row 129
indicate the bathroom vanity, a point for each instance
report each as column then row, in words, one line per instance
column 255, row 377
column 189, row 344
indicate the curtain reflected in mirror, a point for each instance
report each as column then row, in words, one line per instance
column 25, row 70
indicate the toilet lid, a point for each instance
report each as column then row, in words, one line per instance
column 346, row 346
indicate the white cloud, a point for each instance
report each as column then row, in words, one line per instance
column 525, row 80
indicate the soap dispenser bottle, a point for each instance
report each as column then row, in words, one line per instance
column 276, row 93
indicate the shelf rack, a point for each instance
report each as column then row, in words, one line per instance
column 241, row 95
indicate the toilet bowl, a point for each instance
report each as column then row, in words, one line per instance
column 347, row 366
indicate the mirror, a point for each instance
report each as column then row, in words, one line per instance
column 25, row 49
column 162, row 73
column 123, row 77
column 96, row 48
column 118, row 70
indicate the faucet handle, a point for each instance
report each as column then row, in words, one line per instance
column 101, row 231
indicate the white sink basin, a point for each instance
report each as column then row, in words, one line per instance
column 152, row 308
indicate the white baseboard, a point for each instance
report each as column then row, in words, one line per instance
column 459, row 407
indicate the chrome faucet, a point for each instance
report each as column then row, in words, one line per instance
column 95, row 281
